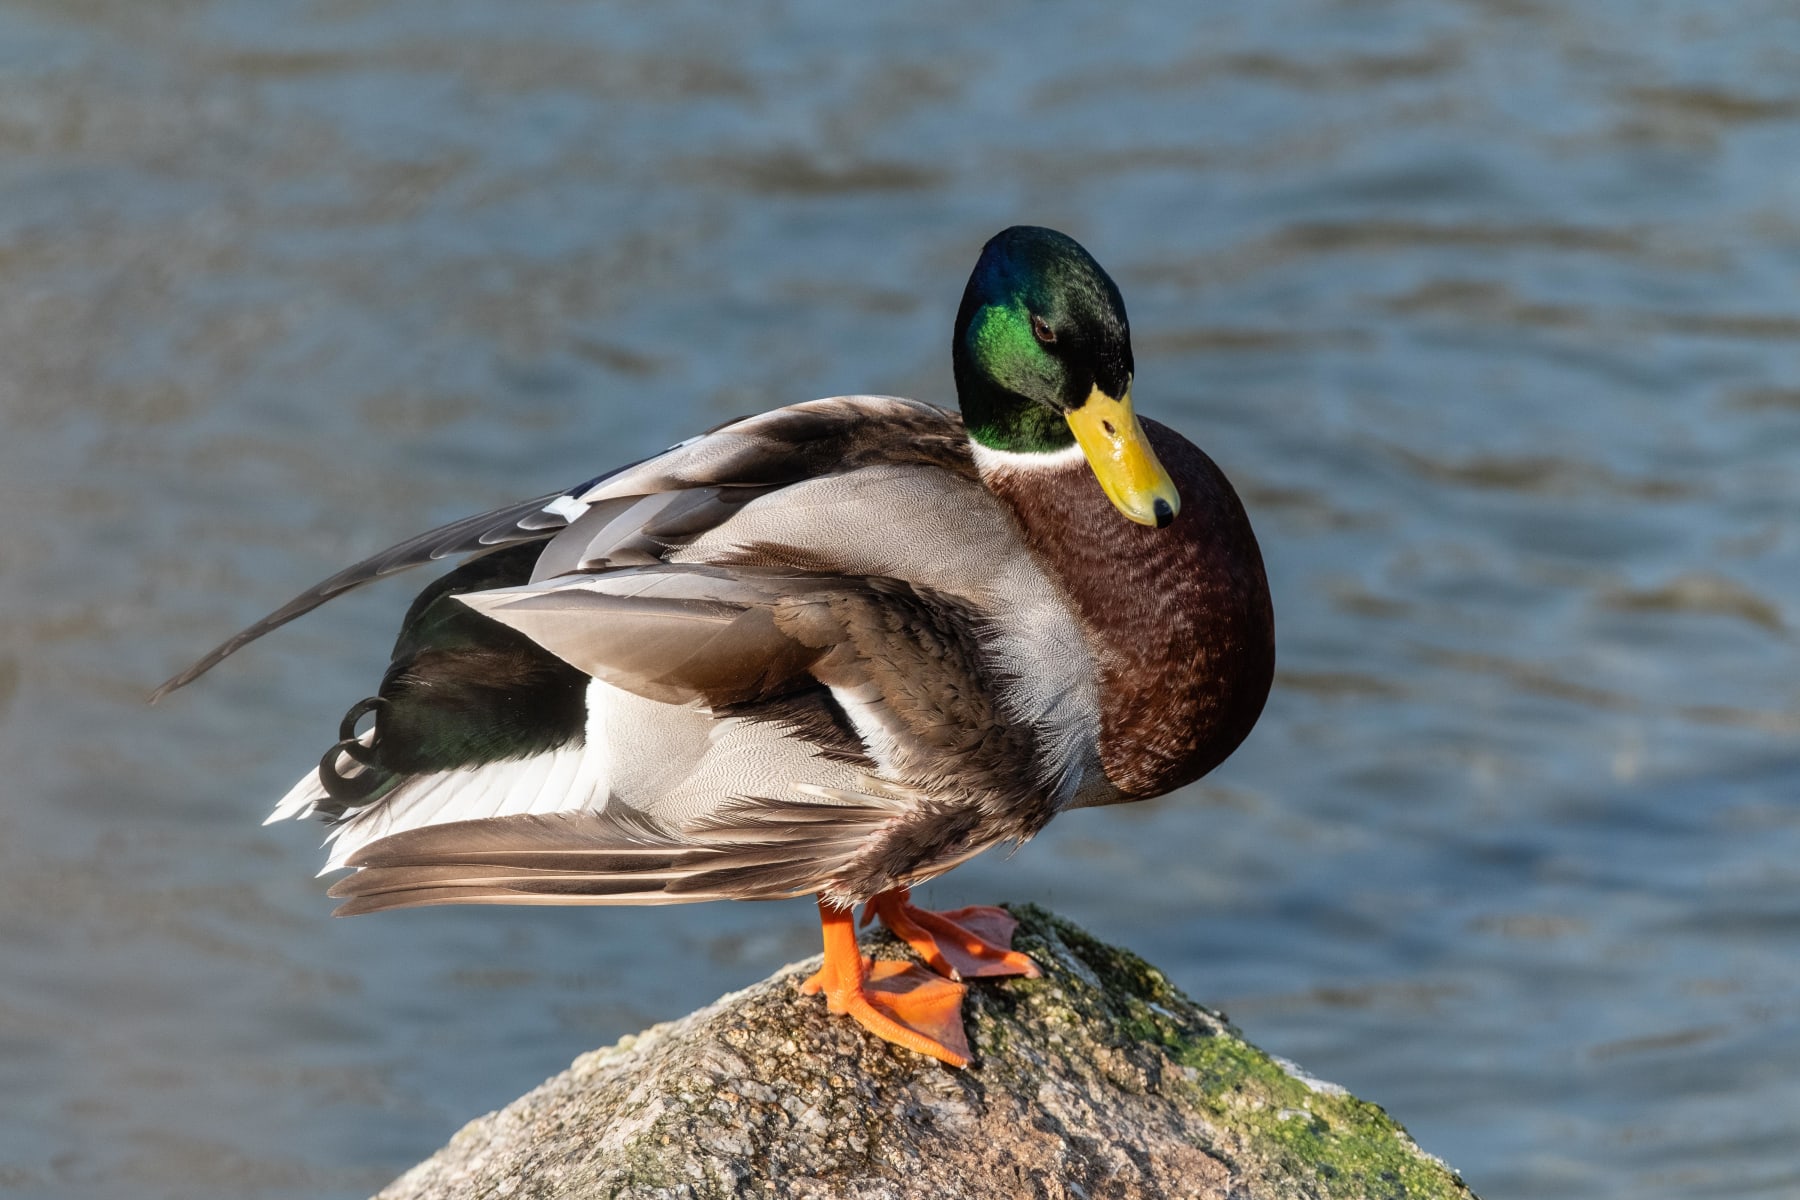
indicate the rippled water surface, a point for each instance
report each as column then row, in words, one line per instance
column 1491, row 310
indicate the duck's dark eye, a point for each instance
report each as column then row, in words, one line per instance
column 1042, row 329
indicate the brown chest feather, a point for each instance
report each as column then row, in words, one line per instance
column 1178, row 618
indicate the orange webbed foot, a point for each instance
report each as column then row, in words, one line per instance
column 895, row 1001
column 966, row 943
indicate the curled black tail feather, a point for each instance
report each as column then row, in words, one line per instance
column 351, row 789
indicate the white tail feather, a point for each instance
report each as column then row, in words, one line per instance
column 302, row 798
column 558, row 781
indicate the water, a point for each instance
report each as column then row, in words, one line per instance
column 1488, row 308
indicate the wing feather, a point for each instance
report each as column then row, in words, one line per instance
column 754, row 849
column 729, row 465
column 676, row 634
column 525, row 521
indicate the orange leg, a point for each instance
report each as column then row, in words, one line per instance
column 895, row 1001
column 968, row 943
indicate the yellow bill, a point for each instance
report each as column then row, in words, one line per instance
column 1116, row 448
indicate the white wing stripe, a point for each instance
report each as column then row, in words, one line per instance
column 566, row 507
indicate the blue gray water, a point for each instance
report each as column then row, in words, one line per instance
column 1491, row 309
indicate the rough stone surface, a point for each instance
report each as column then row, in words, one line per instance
column 1098, row 1080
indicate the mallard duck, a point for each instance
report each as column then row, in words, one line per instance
column 833, row 650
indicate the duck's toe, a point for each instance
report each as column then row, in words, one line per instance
column 965, row 943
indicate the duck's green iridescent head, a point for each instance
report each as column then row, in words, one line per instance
column 1043, row 362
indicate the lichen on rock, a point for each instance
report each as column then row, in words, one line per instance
column 1098, row 1080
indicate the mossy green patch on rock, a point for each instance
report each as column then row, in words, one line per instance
column 1315, row 1138
column 1098, row 1080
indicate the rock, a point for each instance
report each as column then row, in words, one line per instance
column 1098, row 1080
